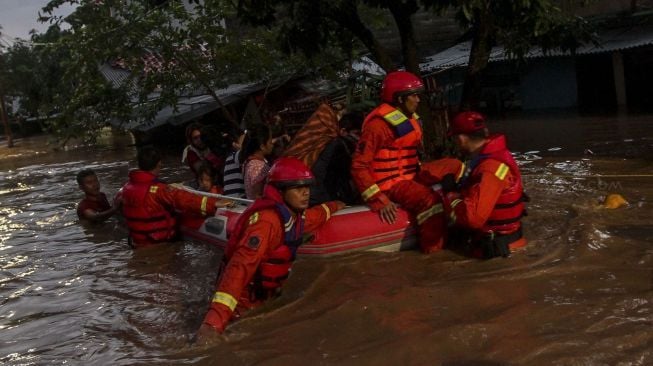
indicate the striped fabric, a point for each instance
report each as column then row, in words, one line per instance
column 234, row 185
column 317, row 132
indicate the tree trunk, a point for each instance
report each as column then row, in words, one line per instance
column 5, row 121
column 347, row 16
column 478, row 59
column 190, row 66
column 402, row 15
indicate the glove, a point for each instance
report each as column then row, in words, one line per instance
column 448, row 183
column 217, row 318
column 452, row 196
column 449, row 198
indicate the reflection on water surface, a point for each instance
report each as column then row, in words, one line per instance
column 581, row 293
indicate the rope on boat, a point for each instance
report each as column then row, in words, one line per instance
column 244, row 201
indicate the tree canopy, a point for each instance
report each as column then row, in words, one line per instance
column 166, row 49
column 517, row 25
column 171, row 49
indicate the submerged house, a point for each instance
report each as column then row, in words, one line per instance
column 615, row 74
column 294, row 99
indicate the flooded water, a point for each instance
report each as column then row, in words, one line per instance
column 580, row 294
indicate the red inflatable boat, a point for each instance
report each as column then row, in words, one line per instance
column 352, row 229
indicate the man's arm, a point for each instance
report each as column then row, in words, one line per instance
column 473, row 210
column 242, row 266
column 96, row 216
column 183, row 201
column 316, row 216
column 99, row 216
column 372, row 139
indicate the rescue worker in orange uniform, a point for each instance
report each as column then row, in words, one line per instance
column 265, row 239
column 386, row 162
column 491, row 201
column 149, row 205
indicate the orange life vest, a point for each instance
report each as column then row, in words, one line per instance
column 273, row 270
column 146, row 226
column 506, row 215
column 398, row 160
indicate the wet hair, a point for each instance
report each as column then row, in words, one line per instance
column 256, row 136
column 205, row 168
column 148, row 157
column 352, row 121
column 189, row 131
column 83, row 174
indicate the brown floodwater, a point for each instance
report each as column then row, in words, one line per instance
column 580, row 294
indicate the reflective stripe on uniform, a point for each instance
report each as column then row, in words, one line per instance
column 153, row 189
column 203, row 205
column 370, row 192
column 327, row 209
column 425, row 215
column 225, row 299
column 462, row 171
column 502, row 170
column 455, row 203
column 395, row 117
column 288, row 225
column 452, row 215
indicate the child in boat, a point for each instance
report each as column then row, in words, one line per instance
column 94, row 207
column 206, row 179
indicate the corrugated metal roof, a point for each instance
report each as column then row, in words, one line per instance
column 116, row 75
column 365, row 64
column 613, row 40
column 189, row 108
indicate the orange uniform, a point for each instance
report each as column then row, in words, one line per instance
column 491, row 202
column 260, row 255
column 385, row 165
column 149, row 207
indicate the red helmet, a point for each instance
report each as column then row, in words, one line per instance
column 399, row 83
column 466, row 123
column 288, row 172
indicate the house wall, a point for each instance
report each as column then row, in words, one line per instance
column 451, row 83
column 549, row 83
column 596, row 86
column 638, row 64
column 540, row 84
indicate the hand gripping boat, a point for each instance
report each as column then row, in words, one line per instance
column 352, row 229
